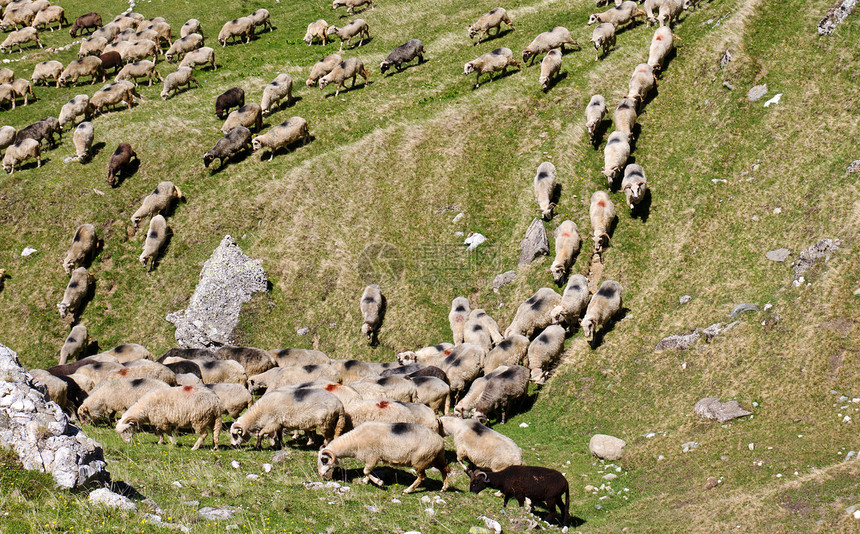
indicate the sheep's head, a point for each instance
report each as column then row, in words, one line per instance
column 208, row 158
column 337, row 3
column 587, row 325
column 126, row 428
column 61, row 80
column 473, row 31
column 256, row 144
column 62, row 307
column 601, row 242
column 367, row 330
column 384, row 66
column 84, row 415
column 323, row 82
column 558, row 270
column 143, row 259
column 238, row 434
column 610, row 173
column 326, row 461
column 407, row 357
column 557, row 314
column 332, row 30
column 478, row 480
column 689, row 4
column 527, row 54
column 593, row 19
column 547, row 213
column 68, row 265
column 310, row 82
column 469, row 68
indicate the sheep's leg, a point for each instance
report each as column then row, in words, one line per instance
column 38, row 160
column 200, row 437
column 478, row 78
column 368, row 475
column 422, row 476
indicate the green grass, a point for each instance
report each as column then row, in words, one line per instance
column 372, row 198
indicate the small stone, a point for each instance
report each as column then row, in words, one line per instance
column 503, row 279
column 727, row 57
column 774, row 100
column 458, row 233
column 712, row 408
column 857, row 292
column 649, row 435
column 479, row 530
column 724, row 457
column 371, row 509
column 111, row 499
column 689, row 446
column 606, row 447
column 751, row 446
column 235, row 464
column 473, row 240
column 685, row 299
column 177, row 483
column 846, row 419
column 303, row 331
column 267, row 468
column 728, row 86
column 412, row 532
column 191, row 504
column 458, row 218
column 757, row 92
column 799, row 282
column 252, row 476
column 280, row 457
column 491, row 524
column 426, row 499
column 711, row 483
column 215, row 514
column 98, row 191
column 610, row 476
column 534, row 244
column 429, row 511
column 524, row 425
column 777, row 211
column 856, row 514
column 396, row 501
column 743, row 308
column 439, row 500
column 28, row 251
column 232, row 527
column 589, row 487
column 778, row 255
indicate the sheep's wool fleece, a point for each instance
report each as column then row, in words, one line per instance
column 229, row 278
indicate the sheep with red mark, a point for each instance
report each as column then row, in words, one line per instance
column 642, row 82
column 458, row 316
column 390, row 411
column 285, row 376
column 483, row 447
column 602, row 215
column 183, row 76
column 115, row 396
column 199, row 58
column 662, row 44
column 143, row 368
column 567, row 243
column 540, row 485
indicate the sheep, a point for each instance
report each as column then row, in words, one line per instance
column 143, row 368
column 172, row 408
column 48, row 15
column 398, row 388
column 465, row 405
column 73, row 108
column 6, row 75
column 650, row 7
column 47, row 70
column 433, row 391
column 510, row 351
column 86, row 66
column 228, row 371
column 670, row 10
column 602, row 214
column 488, row 21
column 622, row 13
column 157, row 202
column 186, row 371
column 282, row 135
column 350, row 5
column 60, row 389
column 482, row 447
column 89, row 21
column 202, row 56
column 372, row 311
column 615, row 155
column 345, row 394
column 625, row 117
column 139, row 69
column 111, row 60
column 76, row 290
column 252, row 359
column 110, row 96
column 84, row 245
column 458, row 316
column 398, row 444
column 234, row 397
column 96, row 371
column 162, row 30
column 603, row 37
column 311, row 410
column 573, row 301
column 93, row 46
column 280, row 88
column 126, row 353
column 74, row 345
column 250, row 116
column 634, row 185
column 177, row 354
column 544, row 186
column 182, row 46
column 292, row 357
column 642, row 83
column 8, row 94
column 261, row 17
column 550, row 66
column 403, row 54
column 142, row 24
column 19, row 37
column 475, row 333
column 231, row 98
column 538, row 484
column 489, row 324
column 15, row 16
column 21, row 152
column 142, row 49
column 567, row 243
column 390, row 411
column 7, row 136
column 546, row 41
column 109, row 31
column 287, row 376
column 463, row 365
column 190, row 26
column 156, row 237
column 429, row 356
column 323, row 67
column 175, row 80
column 119, row 161
column 238, row 139
column 351, row 68
column 544, row 351
column 502, row 391
column 603, row 306
column 661, row 45
column 115, row 396
column 497, row 60
column 356, row 27
column 241, row 27
column 120, row 47
column 354, row 370
column 534, row 313
column 316, row 30
column 39, row 130
column 126, row 22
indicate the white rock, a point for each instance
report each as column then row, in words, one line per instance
column 177, row 483
column 426, row 499
column 439, row 500
column 267, row 468
column 235, row 464
column 524, row 425
column 474, row 240
column 109, row 498
column 846, row 419
column 252, row 476
column 610, row 476
column 856, row 514
column 28, row 251
column 606, row 447
column 589, row 487
column 777, row 211
column 492, row 524
column 396, row 501
column 429, row 511
column 774, row 100
column 458, row 218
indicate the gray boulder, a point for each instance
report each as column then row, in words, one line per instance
column 712, row 408
column 606, row 447
column 534, row 244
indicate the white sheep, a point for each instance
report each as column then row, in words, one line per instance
column 139, row 69
column 261, row 17
column 603, row 38
column 398, row 388
column 182, row 46
column 670, row 10
column 622, row 13
column 298, row 357
column 642, row 82
column 567, row 243
column 534, row 313
column 6, row 74
column 92, row 46
column 488, row 21
column 217, row 371
column 19, row 37
column 250, row 116
column 156, row 237
column 615, row 155
column 317, row 30
column 110, row 96
column 433, row 392
column 47, row 70
column 7, row 136
column 292, row 375
column 127, row 21
column 546, row 41
column 573, row 301
column 544, row 351
column 156, row 202
column 356, row 27
column 174, row 408
column 20, row 152
column 74, row 108
column 350, row 5
column 96, row 371
column 349, row 69
column 661, row 46
column 16, row 16
column 483, row 447
column 651, row 7
column 252, row 359
column 282, row 135
column 501, row 392
column 48, row 15
column 550, row 67
column 86, row 66
column 602, row 215
column 143, row 368
column 8, row 94
column 120, row 47
column 545, row 184
column 234, row 397
column 84, row 244
column 280, row 88
column 634, row 185
column 510, row 351
column 497, row 60
column 490, row 325
column 126, row 353
column 109, row 31
column 432, row 355
column 625, row 117
column 162, row 29
column 175, row 80
column 323, row 67
column 458, row 316
column 476, row 334
column 190, row 26
column 75, row 344
column 391, row 411
column 372, row 310
column 115, row 396
column 602, row 307
column 236, row 28
column 463, row 365
column 398, row 444
column 354, row 370
column 201, row 57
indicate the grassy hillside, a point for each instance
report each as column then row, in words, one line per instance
column 372, row 199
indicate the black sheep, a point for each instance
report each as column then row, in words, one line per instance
column 120, row 159
column 231, row 98
column 238, row 139
column 90, row 20
column 43, row 129
column 404, row 54
column 538, row 484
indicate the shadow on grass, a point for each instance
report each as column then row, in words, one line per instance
column 553, row 81
column 608, row 327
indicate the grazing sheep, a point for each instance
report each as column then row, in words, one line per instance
column 201, row 57
column 670, row 10
column 458, row 316
column 111, row 60
column 534, row 313
column 139, row 69
column 86, row 66
column 483, row 447
column 603, row 306
column 47, row 70
column 615, row 156
column 261, row 17
column 429, row 356
column 650, row 7
column 234, row 397
column 39, row 130
column 109, row 31
column 537, row 484
column 282, row 135
column 475, row 333
column 191, row 26
column 372, row 311
column 143, row 24
column 142, row 49
column 49, row 15
column 110, row 96
column 489, row 324
column 398, row 444
column 502, row 391
column 56, row 387
column 76, row 290
column 550, row 66
column 642, row 83
column 510, row 351
column 89, row 21
column 74, row 108
column 634, row 184
column 464, row 406
column 125, row 21
column 603, row 37
column 403, row 54
column 291, row 376
column 323, row 67
column 93, row 46
column 173, row 408
column 8, row 94
column 390, row 411
column 126, row 353
column 83, row 140
column 567, row 243
column 573, row 301
column 15, row 16
column 187, row 373
column 463, row 365
column 19, row 37
column 280, row 88
column 252, row 359
column 162, row 30
column 661, row 45
column 554, row 38
column 115, row 396
column 317, row 29
column 228, row 371
column 625, row 117
column 497, row 60
column 231, row 98
column 241, row 27
column 182, row 46
column 75, row 344
column 143, row 368
column 120, row 47
column 488, row 21
column 21, row 152
column 177, row 354
column 298, row 357
column 354, row 370
column 22, row 87
column 156, row 237
column 228, row 146
column 84, row 245
column 119, row 161
column 156, row 202
column 345, row 394
column 622, row 13
column 602, row 214
column 433, row 391
column 7, row 137
column 93, row 367
column 545, row 185
column 398, row 388
column 351, row 68
column 357, row 27
column 175, row 80
column 544, row 351
column 6, row 75
column 311, row 410
column 250, row 116
column 350, row 5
